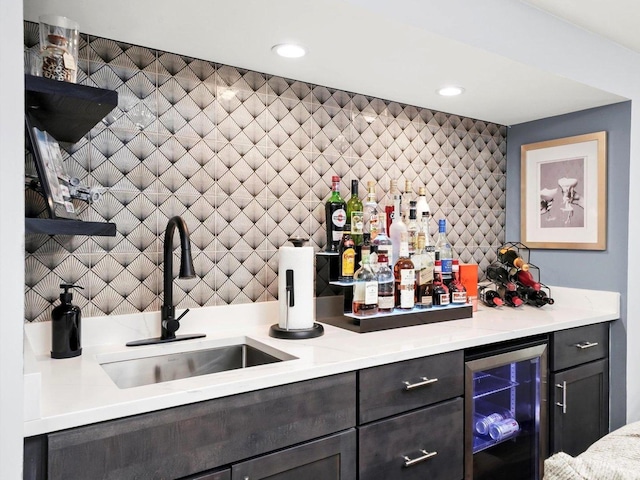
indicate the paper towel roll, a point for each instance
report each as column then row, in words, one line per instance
column 300, row 262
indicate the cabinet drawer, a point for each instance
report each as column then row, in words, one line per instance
column 398, row 387
column 579, row 345
column 330, row 458
column 426, row 443
column 185, row 440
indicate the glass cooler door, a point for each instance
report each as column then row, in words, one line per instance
column 505, row 416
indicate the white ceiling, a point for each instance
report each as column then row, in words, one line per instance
column 354, row 48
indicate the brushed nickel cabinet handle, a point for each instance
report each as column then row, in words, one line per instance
column 587, row 344
column 563, row 386
column 408, row 462
column 425, row 381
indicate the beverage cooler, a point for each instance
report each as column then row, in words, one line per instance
column 506, row 411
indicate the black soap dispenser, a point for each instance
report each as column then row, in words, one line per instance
column 65, row 326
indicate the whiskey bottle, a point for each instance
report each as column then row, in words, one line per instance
column 365, row 289
column 424, row 272
column 405, row 276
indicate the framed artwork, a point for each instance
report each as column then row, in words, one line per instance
column 564, row 193
column 49, row 166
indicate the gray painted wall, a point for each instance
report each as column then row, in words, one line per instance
column 605, row 270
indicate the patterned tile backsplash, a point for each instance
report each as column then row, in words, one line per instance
column 246, row 159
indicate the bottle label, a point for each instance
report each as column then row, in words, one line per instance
column 458, row 297
column 425, row 275
column 373, row 226
column 371, row 293
column 444, row 299
column 348, row 262
column 407, row 279
column 406, row 298
column 357, row 223
column 339, row 217
column 385, row 302
column 447, row 266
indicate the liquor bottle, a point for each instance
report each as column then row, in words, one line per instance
column 336, row 215
column 444, row 251
column 456, row 289
column 386, row 298
column 397, row 230
column 424, row 272
column 491, row 298
column 389, row 206
column 439, row 291
column 525, row 278
column 365, row 289
column 370, row 210
column 355, row 215
column 422, row 206
column 510, row 257
column 424, row 228
column 407, row 197
column 382, row 242
column 347, row 253
column 404, row 275
column 413, row 228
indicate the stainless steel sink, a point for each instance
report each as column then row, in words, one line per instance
column 134, row 372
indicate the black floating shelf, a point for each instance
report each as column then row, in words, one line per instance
column 67, row 111
column 60, row 226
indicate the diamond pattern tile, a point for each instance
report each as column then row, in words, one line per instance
column 246, row 159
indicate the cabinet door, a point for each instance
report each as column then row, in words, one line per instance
column 424, row 444
column 331, row 458
column 579, row 407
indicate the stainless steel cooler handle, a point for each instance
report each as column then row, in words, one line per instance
column 563, row 386
column 425, row 381
column 587, row 344
column 408, row 462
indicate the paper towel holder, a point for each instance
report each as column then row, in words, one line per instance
column 299, row 333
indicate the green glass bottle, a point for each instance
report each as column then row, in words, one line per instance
column 355, row 215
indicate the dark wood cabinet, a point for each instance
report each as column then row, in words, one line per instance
column 194, row 438
column 579, row 388
column 331, row 458
column 411, row 419
column 426, row 443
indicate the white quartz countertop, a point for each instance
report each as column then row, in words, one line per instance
column 77, row 391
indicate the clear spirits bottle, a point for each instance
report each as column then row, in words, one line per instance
column 407, row 197
column 365, row 289
column 444, row 251
column 382, row 242
column 397, row 230
column 413, row 228
column 388, row 206
column 422, row 206
column 370, row 210
column 386, row 298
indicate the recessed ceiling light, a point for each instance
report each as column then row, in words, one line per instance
column 450, row 91
column 289, row 50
